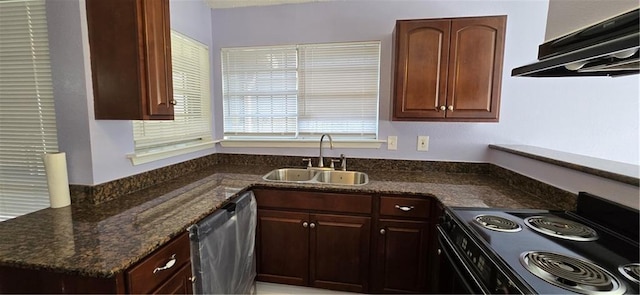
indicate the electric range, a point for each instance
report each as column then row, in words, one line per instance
column 593, row 250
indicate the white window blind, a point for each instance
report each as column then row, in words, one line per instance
column 192, row 119
column 301, row 91
column 27, row 115
column 260, row 91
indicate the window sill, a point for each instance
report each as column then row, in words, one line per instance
column 142, row 158
column 280, row 143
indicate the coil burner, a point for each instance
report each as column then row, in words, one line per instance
column 561, row 228
column 631, row 271
column 571, row 273
column 498, row 223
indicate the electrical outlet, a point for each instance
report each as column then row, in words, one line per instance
column 423, row 143
column 392, row 143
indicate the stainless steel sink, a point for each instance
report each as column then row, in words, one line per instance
column 290, row 175
column 343, row 177
column 317, row 176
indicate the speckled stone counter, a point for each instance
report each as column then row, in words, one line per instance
column 104, row 239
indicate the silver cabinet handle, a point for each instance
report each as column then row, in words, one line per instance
column 192, row 279
column 382, row 231
column 451, row 108
column 173, row 102
column 439, row 251
column 442, row 108
column 404, row 208
column 168, row 265
column 312, row 225
column 305, row 224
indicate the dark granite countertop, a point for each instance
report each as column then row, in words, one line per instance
column 102, row 240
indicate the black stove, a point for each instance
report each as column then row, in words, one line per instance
column 544, row 252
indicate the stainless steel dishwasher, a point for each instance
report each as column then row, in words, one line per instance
column 223, row 249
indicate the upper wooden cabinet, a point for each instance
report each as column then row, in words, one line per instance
column 131, row 59
column 448, row 69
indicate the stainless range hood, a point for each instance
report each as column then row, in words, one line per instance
column 608, row 48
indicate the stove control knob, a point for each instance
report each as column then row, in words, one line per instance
column 446, row 222
column 505, row 288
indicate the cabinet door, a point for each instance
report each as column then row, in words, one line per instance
column 339, row 252
column 157, row 47
column 475, row 68
column 421, row 60
column 402, row 257
column 282, row 246
column 130, row 48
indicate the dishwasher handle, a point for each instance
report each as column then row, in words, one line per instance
column 230, row 207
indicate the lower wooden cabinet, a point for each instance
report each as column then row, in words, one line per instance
column 164, row 270
column 282, row 245
column 300, row 246
column 138, row 279
column 339, row 252
column 402, row 257
column 404, row 260
column 179, row 283
column 339, row 242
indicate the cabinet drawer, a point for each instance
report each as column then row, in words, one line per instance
column 141, row 277
column 316, row 201
column 178, row 284
column 405, row 207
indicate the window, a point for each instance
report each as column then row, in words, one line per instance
column 191, row 128
column 27, row 114
column 301, row 91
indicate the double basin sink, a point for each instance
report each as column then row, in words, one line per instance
column 298, row 175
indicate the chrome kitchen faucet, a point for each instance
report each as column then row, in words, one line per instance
column 320, row 161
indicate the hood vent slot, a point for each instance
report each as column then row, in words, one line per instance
column 609, row 48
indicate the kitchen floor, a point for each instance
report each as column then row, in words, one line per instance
column 263, row 288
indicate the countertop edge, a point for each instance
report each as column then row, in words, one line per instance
column 520, row 150
column 248, row 182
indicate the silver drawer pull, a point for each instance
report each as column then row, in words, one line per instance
column 404, row 208
column 169, row 264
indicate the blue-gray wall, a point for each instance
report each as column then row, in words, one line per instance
column 96, row 149
column 591, row 116
column 595, row 116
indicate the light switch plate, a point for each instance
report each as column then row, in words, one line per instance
column 392, row 143
column 423, row 143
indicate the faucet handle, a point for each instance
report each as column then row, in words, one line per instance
column 334, row 161
column 308, row 160
column 343, row 164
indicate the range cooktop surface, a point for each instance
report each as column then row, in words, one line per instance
column 554, row 252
